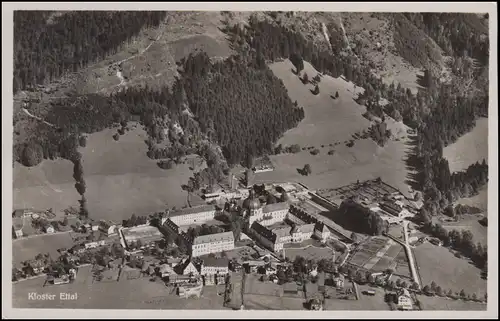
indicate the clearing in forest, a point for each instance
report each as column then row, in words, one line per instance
column 328, row 126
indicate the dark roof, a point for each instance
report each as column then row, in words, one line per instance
column 302, row 215
column 251, row 202
column 192, row 210
column 391, row 207
column 218, row 262
column 169, row 223
column 181, row 267
column 264, row 232
column 275, row 207
column 320, row 226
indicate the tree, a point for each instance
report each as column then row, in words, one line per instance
column 305, row 78
column 80, row 187
column 462, row 294
column 474, row 296
column 307, row 169
column 316, row 90
column 449, row 293
column 83, row 207
column 65, row 221
column 32, row 154
column 433, row 286
column 439, row 291
column 449, row 211
column 336, row 94
column 424, row 216
column 83, row 141
column 354, row 237
column 271, row 199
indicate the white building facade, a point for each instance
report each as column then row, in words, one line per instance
column 193, row 215
column 213, row 243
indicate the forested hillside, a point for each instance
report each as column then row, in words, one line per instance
column 43, row 52
column 237, row 103
column 440, row 112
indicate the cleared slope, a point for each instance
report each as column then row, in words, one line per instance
column 469, row 148
column 121, row 180
column 330, row 121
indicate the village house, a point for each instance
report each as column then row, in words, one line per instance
column 339, row 281
column 108, row 227
column 214, row 279
column 188, row 268
column 48, row 228
column 165, row 270
column 189, row 290
column 404, row 300
column 17, row 227
column 23, row 213
column 212, row 243
column 211, row 265
column 38, row 266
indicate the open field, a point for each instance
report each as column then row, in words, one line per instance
column 50, row 184
column 364, row 303
column 254, row 286
column 121, row 180
column 438, row 264
column 27, row 249
column 471, row 223
column 480, row 200
column 326, row 122
column 440, row 304
column 469, row 148
column 264, row 302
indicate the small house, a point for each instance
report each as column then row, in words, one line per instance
column 165, row 270
column 48, row 228
column 339, row 281
column 64, row 279
column 436, row 242
column 37, row 265
column 212, row 265
column 404, row 300
column 17, row 227
column 108, row 227
column 187, row 268
column 78, row 249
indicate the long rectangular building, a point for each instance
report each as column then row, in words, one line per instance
column 192, row 215
column 212, row 243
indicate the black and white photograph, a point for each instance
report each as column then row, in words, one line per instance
column 312, row 160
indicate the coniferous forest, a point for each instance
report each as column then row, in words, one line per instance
column 214, row 93
column 239, row 103
column 44, row 52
